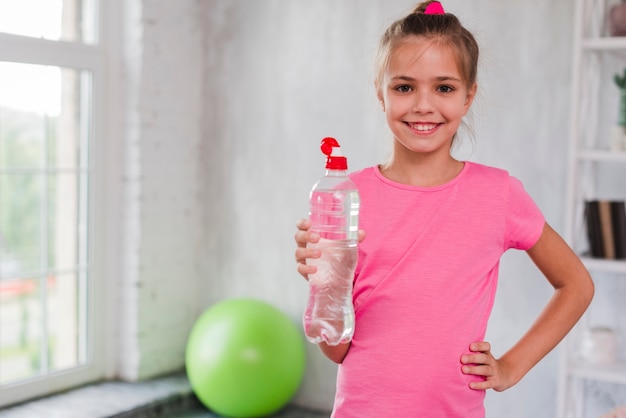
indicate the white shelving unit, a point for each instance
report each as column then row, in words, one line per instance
column 594, row 97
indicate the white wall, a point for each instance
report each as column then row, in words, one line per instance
column 160, row 85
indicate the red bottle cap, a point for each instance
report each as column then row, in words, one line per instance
column 334, row 160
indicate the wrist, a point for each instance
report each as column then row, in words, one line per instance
column 513, row 368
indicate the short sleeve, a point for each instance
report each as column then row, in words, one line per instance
column 524, row 221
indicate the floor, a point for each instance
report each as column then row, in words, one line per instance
column 164, row 397
column 111, row 399
column 288, row 412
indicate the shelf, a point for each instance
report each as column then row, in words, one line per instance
column 606, row 266
column 615, row 373
column 591, row 162
column 605, row 44
column 601, row 155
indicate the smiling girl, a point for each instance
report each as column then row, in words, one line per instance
column 436, row 228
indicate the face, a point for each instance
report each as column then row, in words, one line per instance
column 424, row 97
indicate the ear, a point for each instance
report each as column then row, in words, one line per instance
column 380, row 97
column 469, row 99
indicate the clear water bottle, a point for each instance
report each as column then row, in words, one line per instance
column 334, row 215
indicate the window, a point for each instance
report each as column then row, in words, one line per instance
column 51, row 67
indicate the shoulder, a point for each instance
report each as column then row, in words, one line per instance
column 481, row 171
column 486, row 179
column 364, row 175
column 492, row 176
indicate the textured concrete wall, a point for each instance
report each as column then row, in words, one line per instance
column 163, row 182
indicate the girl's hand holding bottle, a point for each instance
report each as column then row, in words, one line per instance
column 303, row 237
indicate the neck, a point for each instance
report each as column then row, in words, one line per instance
column 422, row 170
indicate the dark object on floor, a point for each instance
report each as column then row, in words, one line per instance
column 288, row 412
column 189, row 406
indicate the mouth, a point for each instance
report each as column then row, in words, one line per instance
column 423, row 128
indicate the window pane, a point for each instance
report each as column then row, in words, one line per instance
column 21, row 223
column 67, row 20
column 31, row 97
column 20, row 331
column 32, row 343
column 64, row 222
column 23, row 140
column 44, row 172
column 64, row 334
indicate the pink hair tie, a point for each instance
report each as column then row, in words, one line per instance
column 434, row 8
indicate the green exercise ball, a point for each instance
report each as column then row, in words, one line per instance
column 244, row 358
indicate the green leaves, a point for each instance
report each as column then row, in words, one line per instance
column 620, row 81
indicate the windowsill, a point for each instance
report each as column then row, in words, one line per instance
column 113, row 399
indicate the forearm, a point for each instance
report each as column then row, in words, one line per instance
column 558, row 317
column 573, row 291
column 335, row 352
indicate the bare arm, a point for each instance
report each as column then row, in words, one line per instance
column 303, row 236
column 573, row 291
column 335, row 352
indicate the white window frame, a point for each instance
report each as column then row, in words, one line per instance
column 102, row 61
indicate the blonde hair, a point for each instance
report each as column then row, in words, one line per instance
column 444, row 29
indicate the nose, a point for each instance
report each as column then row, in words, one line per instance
column 422, row 102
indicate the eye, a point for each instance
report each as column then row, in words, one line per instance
column 404, row 88
column 445, row 89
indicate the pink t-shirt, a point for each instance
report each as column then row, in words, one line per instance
column 424, row 289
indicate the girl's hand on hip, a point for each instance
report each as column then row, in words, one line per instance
column 482, row 363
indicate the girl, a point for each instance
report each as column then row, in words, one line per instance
column 436, row 229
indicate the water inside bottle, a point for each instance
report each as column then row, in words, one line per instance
column 334, row 214
column 329, row 315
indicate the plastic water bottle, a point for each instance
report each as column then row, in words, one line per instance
column 334, row 215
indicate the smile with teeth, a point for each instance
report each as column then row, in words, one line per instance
column 423, row 126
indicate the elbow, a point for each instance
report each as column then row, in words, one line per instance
column 584, row 291
column 589, row 292
column 336, row 357
column 335, row 353
column 579, row 291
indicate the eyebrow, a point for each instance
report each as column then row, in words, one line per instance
column 441, row 78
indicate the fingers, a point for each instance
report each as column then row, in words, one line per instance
column 482, row 354
column 302, row 238
column 302, row 253
column 484, row 371
column 475, row 359
column 305, row 270
column 482, row 385
column 303, row 224
column 482, row 346
column 480, row 363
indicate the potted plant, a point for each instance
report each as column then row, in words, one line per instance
column 618, row 133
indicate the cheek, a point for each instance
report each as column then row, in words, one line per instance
column 397, row 105
column 456, row 109
column 390, row 117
